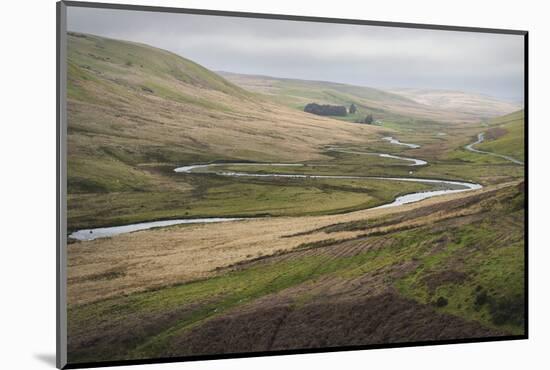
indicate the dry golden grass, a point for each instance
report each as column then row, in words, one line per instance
column 471, row 105
column 148, row 259
column 142, row 108
column 269, row 132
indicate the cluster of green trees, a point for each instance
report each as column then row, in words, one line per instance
column 326, row 110
column 336, row 110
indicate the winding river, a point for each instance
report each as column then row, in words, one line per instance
column 415, row 162
column 397, row 142
column 103, row 232
column 449, row 187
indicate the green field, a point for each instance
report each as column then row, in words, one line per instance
column 409, row 106
column 447, row 267
column 214, row 196
column 314, row 266
column 510, row 136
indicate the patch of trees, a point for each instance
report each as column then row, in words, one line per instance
column 352, row 109
column 368, row 119
column 326, row 110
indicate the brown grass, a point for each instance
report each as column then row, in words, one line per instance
column 384, row 318
column 166, row 256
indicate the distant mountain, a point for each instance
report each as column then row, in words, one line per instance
column 482, row 106
column 399, row 105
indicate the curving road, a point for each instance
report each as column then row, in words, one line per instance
column 480, row 139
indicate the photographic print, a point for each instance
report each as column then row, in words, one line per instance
column 241, row 185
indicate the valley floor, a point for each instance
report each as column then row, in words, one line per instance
column 326, row 272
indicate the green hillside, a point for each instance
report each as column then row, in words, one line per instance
column 401, row 106
column 143, row 104
column 443, row 278
column 298, row 93
column 128, row 61
column 506, row 135
column 136, row 112
column 315, row 263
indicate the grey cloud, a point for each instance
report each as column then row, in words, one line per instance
column 362, row 55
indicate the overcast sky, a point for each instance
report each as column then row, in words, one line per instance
column 384, row 57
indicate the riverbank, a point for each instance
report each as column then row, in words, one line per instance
column 451, row 187
column 448, row 187
column 163, row 256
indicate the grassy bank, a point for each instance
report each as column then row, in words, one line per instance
column 506, row 135
column 214, row 196
column 464, row 267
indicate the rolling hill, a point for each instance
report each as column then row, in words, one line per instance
column 506, row 135
column 399, row 105
column 482, row 106
column 315, row 262
column 162, row 107
column 131, row 104
column 135, row 112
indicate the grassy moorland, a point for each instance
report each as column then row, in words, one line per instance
column 215, row 196
column 503, row 136
column 479, row 107
column 450, row 270
column 412, row 106
column 506, row 135
column 328, row 270
column 136, row 112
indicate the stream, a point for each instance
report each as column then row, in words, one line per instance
column 450, row 187
column 415, row 162
column 397, row 142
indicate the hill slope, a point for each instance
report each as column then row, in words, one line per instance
column 506, row 136
column 388, row 105
column 136, row 112
column 482, row 106
column 136, row 92
column 136, row 104
column 379, row 286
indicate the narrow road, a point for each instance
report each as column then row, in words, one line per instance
column 480, row 139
